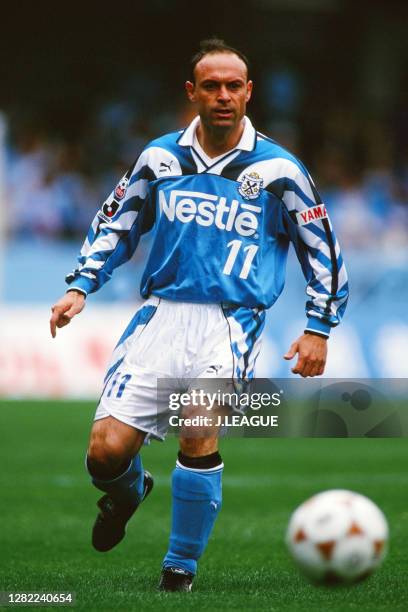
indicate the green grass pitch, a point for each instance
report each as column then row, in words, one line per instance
column 48, row 506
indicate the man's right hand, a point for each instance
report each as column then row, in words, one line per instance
column 65, row 309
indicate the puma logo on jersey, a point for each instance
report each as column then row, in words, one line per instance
column 213, row 369
column 165, row 167
column 314, row 213
column 207, row 209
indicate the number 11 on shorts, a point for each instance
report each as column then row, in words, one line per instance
column 250, row 250
column 120, row 381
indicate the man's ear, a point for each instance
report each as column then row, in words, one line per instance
column 190, row 91
column 249, row 90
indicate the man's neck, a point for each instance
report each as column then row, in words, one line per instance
column 216, row 142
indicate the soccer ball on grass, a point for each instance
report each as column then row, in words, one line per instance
column 337, row 537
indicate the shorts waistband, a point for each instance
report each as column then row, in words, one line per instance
column 155, row 301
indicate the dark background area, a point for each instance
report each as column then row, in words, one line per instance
column 62, row 60
column 85, row 86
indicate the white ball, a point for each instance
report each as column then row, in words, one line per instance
column 337, row 537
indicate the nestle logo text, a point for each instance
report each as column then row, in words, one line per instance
column 207, row 209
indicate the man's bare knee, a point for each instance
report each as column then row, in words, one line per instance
column 106, row 451
column 106, row 458
column 112, row 445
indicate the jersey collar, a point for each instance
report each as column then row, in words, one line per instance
column 247, row 142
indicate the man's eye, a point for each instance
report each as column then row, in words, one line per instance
column 235, row 86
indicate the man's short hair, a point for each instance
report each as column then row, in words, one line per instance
column 214, row 45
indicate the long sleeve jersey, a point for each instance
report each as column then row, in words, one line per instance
column 221, row 227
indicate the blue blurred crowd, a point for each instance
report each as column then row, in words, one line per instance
column 54, row 186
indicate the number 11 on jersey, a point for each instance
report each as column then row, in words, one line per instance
column 250, row 250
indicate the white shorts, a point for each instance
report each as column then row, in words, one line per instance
column 176, row 343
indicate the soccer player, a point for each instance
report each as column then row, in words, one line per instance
column 223, row 202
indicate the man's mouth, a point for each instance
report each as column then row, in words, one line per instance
column 223, row 112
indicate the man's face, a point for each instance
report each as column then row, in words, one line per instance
column 221, row 90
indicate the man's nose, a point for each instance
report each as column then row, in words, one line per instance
column 223, row 94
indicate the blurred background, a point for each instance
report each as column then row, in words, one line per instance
column 85, row 88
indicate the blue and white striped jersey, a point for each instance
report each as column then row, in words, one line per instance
column 221, row 227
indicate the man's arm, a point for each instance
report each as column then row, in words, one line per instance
column 115, row 231
column 318, row 251
column 112, row 239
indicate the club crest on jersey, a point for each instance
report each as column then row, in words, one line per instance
column 120, row 189
column 251, row 185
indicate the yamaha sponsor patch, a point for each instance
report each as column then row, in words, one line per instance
column 251, row 185
column 315, row 213
column 121, row 187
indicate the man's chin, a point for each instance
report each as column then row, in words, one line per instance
column 223, row 122
column 224, row 115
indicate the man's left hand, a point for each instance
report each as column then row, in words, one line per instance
column 312, row 354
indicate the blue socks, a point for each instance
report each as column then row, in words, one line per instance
column 196, row 488
column 126, row 489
